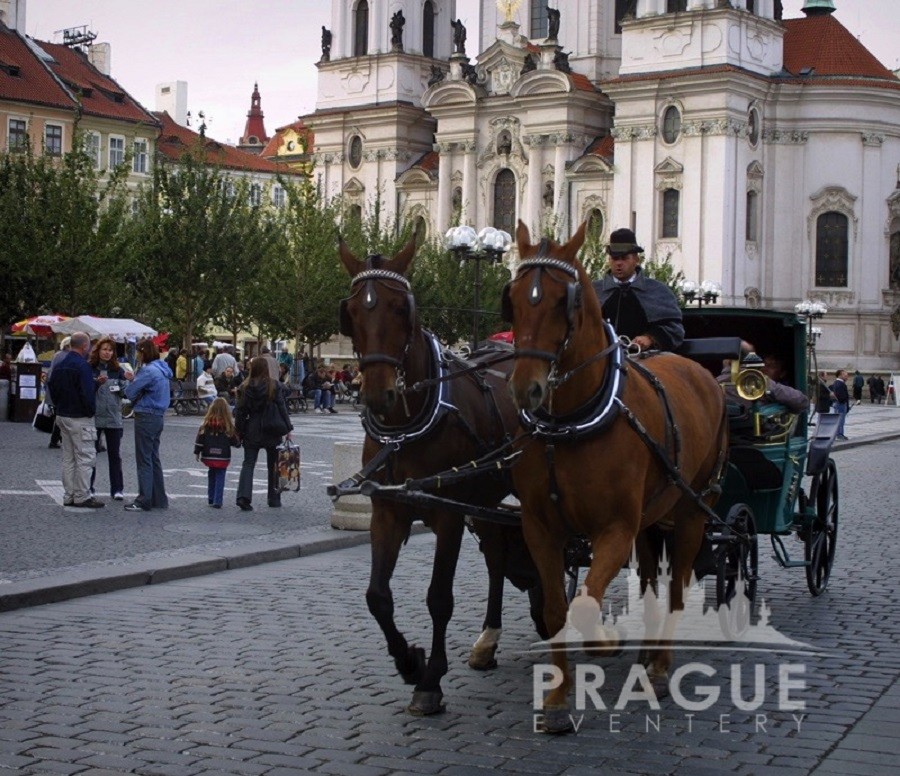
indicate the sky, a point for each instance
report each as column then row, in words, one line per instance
column 221, row 47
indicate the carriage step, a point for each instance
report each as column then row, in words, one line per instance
column 789, row 564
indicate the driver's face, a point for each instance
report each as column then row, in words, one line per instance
column 623, row 267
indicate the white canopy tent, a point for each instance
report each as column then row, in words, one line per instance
column 120, row 329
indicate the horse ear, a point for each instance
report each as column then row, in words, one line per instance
column 571, row 248
column 401, row 261
column 353, row 265
column 523, row 237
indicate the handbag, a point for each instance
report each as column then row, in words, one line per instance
column 44, row 418
column 273, row 422
column 287, row 467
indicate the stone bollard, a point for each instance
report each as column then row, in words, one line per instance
column 350, row 513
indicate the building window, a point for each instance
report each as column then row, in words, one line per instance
column 623, row 8
column 505, row 201
column 53, row 139
column 595, row 225
column 539, row 19
column 116, row 151
column 671, row 201
column 751, row 6
column 361, row 29
column 18, row 135
column 753, row 127
column 355, row 214
column 894, row 279
column 355, row 152
column 278, row 197
column 139, row 162
column 676, row 6
column 831, row 250
column 255, row 194
column 428, row 29
column 752, row 216
column 671, row 127
column 91, row 146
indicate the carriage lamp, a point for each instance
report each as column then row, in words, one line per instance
column 707, row 292
column 466, row 245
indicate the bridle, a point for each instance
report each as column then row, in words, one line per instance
column 365, row 284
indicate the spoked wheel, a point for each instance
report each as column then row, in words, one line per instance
column 737, row 571
column 821, row 538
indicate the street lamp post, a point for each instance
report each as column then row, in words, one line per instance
column 811, row 311
column 487, row 245
column 706, row 293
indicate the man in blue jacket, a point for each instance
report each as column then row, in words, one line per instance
column 841, row 399
column 72, row 390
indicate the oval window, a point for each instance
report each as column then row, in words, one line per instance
column 671, row 128
column 753, row 127
column 355, row 151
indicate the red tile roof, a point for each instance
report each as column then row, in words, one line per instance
column 830, row 49
column 32, row 82
column 582, row 82
column 99, row 94
column 175, row 140
column 428, row 162
column 604, row 147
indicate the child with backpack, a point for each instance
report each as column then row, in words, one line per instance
column 215, row 439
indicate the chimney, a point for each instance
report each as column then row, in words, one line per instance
column 172, row 98
column 12, row 14
column 100, row 56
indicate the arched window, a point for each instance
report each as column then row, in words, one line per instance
column 752, row 216
column 671, row 200
column 831, row 250
column 505, row 201
column 539, row 19
column 428, row 29
column 361, row 29
column 894, row 279
column 354, row 214
column 595, row 224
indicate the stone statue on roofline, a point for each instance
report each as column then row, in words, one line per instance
column 397, row 22
column 552, row 23
column 326, row 44
column 459, row 36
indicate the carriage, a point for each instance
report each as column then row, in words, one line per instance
column 753, row 488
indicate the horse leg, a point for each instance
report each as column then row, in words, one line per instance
column 482, row 657
column 536, row 610
column 427, row 696
column 547, row 552
column 389, row 531
column 648, row 549
column 689, row 531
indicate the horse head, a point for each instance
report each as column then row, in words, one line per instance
column 380, row 318
column 544, row 302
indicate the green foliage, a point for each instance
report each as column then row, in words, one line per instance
column 664, row 271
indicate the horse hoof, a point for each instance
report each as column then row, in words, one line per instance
column 426, row 702
column 660, row 685
column 557, row 721
column 482, row 659
column 413, row 667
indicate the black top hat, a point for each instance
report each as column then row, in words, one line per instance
column 622, row 242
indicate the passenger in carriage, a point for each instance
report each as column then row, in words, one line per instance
column 638, row 307
column 777, row 391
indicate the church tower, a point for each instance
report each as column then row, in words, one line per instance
column 369, row 124
column 254, row 138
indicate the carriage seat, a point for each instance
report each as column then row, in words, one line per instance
column 704, row 349
column 758, row 471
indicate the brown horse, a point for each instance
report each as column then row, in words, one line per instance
column 588, row 470
column 420, row 434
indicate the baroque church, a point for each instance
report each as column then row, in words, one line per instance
column 758, row 152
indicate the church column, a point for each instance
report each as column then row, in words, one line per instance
column 342, row 31
column 444, row 193
column 470, row 185
column 533, row 204
column 559, row 170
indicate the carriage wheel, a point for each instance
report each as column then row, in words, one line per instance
column 821, row 538
column 737, row 571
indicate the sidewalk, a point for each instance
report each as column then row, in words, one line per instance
column 65, row 575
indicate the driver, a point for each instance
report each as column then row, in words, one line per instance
column 643, row 309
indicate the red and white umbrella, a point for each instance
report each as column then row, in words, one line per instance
column 38, row 325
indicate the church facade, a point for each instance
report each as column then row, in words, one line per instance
column 758, row 152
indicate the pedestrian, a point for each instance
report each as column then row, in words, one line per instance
column 212, row 448
column 181, row 366
column 227, row 384
column 638, row 307
column 111, row 381
column 824, row 396
column 262, row 422
column 206, row 386
column 317, row 387
column 271, row 363
column 60, row 354
column 223, row 361
column 197, row 363
column 858, row 383
column 149, row 394
column 841, row 399
column 881, row 391
column 72, row 389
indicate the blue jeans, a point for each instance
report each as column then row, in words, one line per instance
column 245, row 483
column 216, row 485
column 841, row 409
column 151, row 485
column 113, row 453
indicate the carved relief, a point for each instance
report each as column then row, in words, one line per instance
column 672, row 43
column 503, row 76
column 873, row 139
column 781, row 137
column 511, row 125
column 724, row 126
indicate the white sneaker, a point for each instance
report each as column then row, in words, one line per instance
column 119, row 496
column 320, row 411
